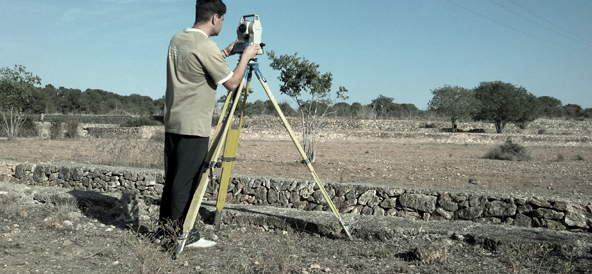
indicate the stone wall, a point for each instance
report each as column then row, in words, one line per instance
column 354, row 199
column 86, row 119
column 101, row 131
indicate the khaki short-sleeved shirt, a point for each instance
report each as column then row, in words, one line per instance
column 195, row 67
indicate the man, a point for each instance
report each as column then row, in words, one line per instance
column 195, row 66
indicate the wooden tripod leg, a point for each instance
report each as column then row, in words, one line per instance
column 301, row 151
column 229, row 156
column 228, row 159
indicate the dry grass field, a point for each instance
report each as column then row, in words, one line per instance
column 63, row 237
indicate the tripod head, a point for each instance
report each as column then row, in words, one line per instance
column 248, row 33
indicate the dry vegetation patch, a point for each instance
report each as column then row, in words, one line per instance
column 60, row 236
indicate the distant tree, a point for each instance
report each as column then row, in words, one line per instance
column 573, row 111
column 504, row 103
column 355, row 108
column 342, row 109
column 383, row 105
column 104, row 101
column 454, row 102
column 139, row 104
column 366, row 112
column 531, row 111
column 50, row 93
column 259, row 107
column 311, row 91
column 404, row 110
column 68, row 100
column 16, row 87
column 38, row 102
column 588, row 113
column 159, row 106
column 286, row 108
column 550, row 107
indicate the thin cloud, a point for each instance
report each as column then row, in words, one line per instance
column 71, row 15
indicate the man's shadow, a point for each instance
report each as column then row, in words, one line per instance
column 138, row 213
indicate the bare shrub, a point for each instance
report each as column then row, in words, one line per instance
column 508, row 151
column 59, row 217
column 71, row 130
column 28, row 128
column 149, row 256
column 9, row 206
column 55, row 129
column 428, row 125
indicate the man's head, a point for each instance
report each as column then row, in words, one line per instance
column 210, row 12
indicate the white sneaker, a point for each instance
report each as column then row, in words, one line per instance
column 201, row 243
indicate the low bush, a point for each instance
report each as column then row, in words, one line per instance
column 428, row 125
column 508, row 151
column 28, row 128
column 72, row 130
column 55, row 129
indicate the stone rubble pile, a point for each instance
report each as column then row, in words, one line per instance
column 539, row 126
column 354, row 199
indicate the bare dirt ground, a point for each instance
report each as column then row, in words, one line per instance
column 61, row 237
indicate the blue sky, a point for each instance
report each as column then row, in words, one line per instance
column 397, row 48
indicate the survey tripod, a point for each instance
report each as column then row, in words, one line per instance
column 228, row 133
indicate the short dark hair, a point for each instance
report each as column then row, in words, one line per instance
column 205, row 9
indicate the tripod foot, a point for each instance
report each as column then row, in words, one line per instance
column 218, row 218
column 181, row 245
column 346, row 228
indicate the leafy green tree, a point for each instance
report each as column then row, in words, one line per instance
column 382, row 106
column 37, row 103
column 355, row 109
column 285, row 107
column 50, row 93
column 311, row 91
column 588, row 113
column 342, row 109
column 259, row 108
column 550, row 107
column 573, row 111
column 504, row 103
column 16, row 88
column 159, row 106
column 68, row 100
column 139, row 104
column 454, row 102
column 405, row 110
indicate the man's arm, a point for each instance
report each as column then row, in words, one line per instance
column 238, row 73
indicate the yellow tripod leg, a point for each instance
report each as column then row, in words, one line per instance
column 303, row 154
column 229, row 156
column 228, row 160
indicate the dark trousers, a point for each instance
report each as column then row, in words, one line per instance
column 183, row 159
